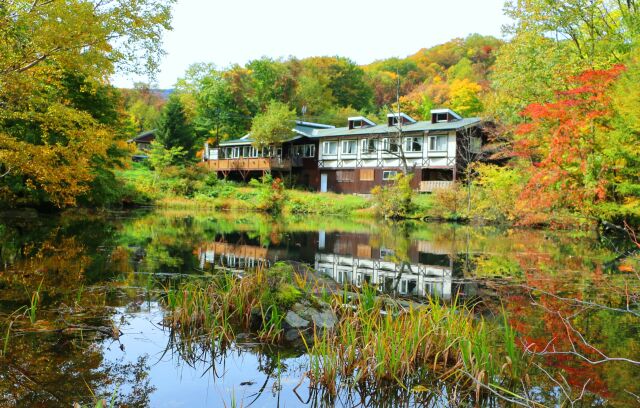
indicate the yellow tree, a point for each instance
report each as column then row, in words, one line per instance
column 464, row 97
column 48, row 143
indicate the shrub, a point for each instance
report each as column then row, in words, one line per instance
column 496, row 190
column 271, row 194
column 449, row 203
column 395, row 200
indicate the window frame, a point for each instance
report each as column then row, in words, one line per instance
column 366, row 145
column 411, row 142
column 326, row 150
column 349, row 142
column 386, row 173
column 311, row 152
column 433, row 143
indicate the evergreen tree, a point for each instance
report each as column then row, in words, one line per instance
column 174, row 130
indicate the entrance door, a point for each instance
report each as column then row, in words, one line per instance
column 323, row 182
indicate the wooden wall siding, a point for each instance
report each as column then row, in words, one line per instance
column 367, row 175
column 359, row 186
column 240, row 251
column 260, row 163
column 430, row 186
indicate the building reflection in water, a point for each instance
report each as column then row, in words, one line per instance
column 421, row 268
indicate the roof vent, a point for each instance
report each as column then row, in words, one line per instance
column 392, row 119
column 358, row 122
column 444, row 115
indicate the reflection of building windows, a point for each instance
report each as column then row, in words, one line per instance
column 403, row 287
column 384, row 252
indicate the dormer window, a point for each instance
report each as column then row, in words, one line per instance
column 394, row 118
column 444, row 116
column 359, row 122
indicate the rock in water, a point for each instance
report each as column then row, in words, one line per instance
column 293, row 321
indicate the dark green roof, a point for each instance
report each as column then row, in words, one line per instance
column 144, row 136
column 384, row 129
column 301, row 129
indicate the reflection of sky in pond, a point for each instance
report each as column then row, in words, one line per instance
column 179, row 384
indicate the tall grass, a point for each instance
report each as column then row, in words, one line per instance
column 381, row 345
column 5, row 343
column 231, row 301
column 33, row 305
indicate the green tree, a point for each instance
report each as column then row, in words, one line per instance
column 274, row 125
column 173, row 128
column 41, row 42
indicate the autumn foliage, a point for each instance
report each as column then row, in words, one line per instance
column 569, row 148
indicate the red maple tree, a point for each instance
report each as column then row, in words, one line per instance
column 562, row 142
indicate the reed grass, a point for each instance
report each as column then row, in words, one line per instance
column 232, row 301
column 377, row 345
column 5, row 343
column 33, row 305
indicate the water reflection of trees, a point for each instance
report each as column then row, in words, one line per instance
column 551, row 276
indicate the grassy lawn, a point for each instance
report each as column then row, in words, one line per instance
column 189, row 188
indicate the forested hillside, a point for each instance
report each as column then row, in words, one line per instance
column 562, row 91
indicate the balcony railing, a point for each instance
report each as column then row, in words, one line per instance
column 247, row 164
column 432, row 185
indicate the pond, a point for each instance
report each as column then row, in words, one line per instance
column 82, row 312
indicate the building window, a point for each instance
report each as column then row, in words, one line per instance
column 349, row 147
column 254, row 152
column 389, row 145
column 438, row 143
column 344, row 176
column 442, row 117
column 309, row 150
column 330, row 148
column 366, row 174
column 297, row 150
column 413, row 144
column 476, row 144
column 369, row 145
column 236, row 152
column 389, row 175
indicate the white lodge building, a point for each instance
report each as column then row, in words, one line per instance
column 356, row 158
column 362, row 155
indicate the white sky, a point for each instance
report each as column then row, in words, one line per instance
column 237, row 31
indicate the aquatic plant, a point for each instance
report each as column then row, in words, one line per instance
column 231, row 300
column 5, row 344
column 33, row 306
column 386, row 344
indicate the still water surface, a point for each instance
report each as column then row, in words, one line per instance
column 100, row 273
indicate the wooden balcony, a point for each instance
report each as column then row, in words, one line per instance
column 247, row 164
column 431, row 186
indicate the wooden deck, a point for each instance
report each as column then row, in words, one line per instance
column 247, row 164
column 431, row 186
